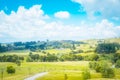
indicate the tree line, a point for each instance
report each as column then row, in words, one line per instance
column 11, row 58
column 38, row 45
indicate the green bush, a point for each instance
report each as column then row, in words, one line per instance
column 103, row 68
column 116, row 57
column 92, row 64
column 65, row 77
column 10, row 70
column 108, row 72
column 117, row 64
column 94, row 57
column 29, row 59
column 18, row 63
column 86, row 75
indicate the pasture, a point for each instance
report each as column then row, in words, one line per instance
column 56, row 70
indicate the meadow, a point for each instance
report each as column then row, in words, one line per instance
column 57, row 70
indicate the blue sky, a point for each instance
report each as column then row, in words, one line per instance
column 26, row 20
column 49, row 6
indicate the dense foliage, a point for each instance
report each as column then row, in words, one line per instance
column 107, row 48
column 86, row 75
column 117, row 65
column 11, row 58
column 39, row 45
column 104, row 68
column 10, row 69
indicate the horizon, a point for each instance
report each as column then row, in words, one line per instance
column 58, row 40
column 58, row 20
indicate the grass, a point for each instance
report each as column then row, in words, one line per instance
column 56, row 51
column 60, row 75
column 16, row 52
column 21, row 72
column 28, row 69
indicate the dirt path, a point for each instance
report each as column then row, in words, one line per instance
column 36, row 76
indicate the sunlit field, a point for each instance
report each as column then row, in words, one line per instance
column 57, row 70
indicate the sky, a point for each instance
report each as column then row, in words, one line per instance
column 33, row 20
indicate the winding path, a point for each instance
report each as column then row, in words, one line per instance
column 36, row 76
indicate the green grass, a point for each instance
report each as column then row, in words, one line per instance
column 23, row 71
column 74, row 72
column 56, row 51
column 56, row 70
column 28, row 69
column 16, row 52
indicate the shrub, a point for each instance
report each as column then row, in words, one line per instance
column 10, row 70
column 117, row 64
column 86, row 75
column 65, row 77
column 103, row 68
column 29, row 59
column 116, row 57
column 92, row 64
column 94, row 57
column 18, row 62
column 108, row 72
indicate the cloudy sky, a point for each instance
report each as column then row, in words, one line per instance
column 27, row 20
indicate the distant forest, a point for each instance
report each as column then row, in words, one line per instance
column 39, row 45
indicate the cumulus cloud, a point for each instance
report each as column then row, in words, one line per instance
column 31, row 24
column 62, row 14
column 107, row 8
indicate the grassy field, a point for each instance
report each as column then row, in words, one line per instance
column 28, row 69
column 56, row 70
column 57, row 51
column 16, row 52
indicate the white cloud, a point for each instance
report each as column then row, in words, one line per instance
column 107, row 8
column 62, row 14
column 31, row 24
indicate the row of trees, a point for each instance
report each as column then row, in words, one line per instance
column 61, row 57
column 12, row 58
column 52, row 57
column 65, row 57
column 114, row 58
column 39, row 45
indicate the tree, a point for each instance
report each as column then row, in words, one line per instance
column 29, row 59
column 116, row 57
column 18, row 62
column 3, row 48
column 86, row 75
column 117, row 64
column 94, row 57
column 10, row 69
column 100, row 66
column 51, row 57
column 106, row 48
column 73, row 46
column 103, row 68
column 92, row 64
column 107, row 72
